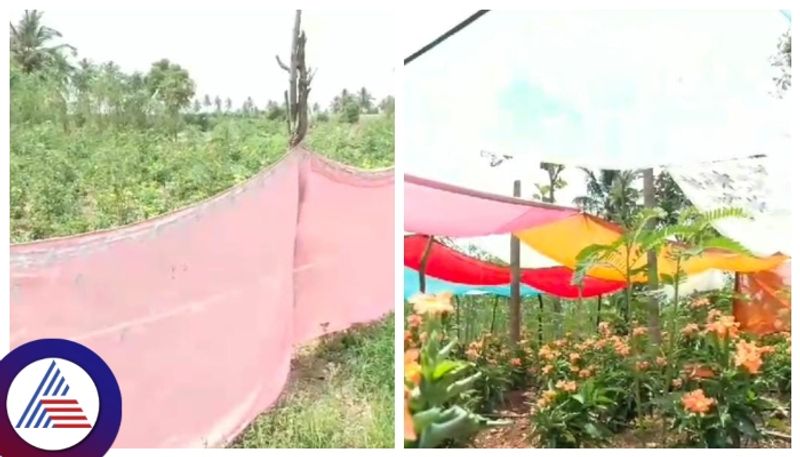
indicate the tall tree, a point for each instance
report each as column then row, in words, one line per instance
column 207, row 101
column 170, row 83
column 387, row 105
column 30, row 45
column 611, row 195
column 547, row 193
column 365, row 100
column 670, row 198
column 218, row 104
column 228, row 104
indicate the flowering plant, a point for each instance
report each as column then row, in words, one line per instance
column 434, row 382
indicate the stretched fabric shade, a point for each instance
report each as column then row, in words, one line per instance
column 563, row 240
column 451, row 265
column 434, row 208
column 435, row 286
column 758, row 185
column 767, row 302
column 197, row 312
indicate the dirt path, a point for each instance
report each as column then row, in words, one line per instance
column 517, row 434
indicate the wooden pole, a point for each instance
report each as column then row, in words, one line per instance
column 541, row 311
column 423, row 263
column 515, row 277
column 652, row 261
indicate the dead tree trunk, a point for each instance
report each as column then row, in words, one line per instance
column 296, row 98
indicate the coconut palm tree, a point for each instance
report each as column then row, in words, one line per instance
column 30, row 45
column 610, row 195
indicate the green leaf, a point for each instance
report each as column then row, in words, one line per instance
column 745, row 425
column 444, row 367
column 446, row 350
column 593, row 430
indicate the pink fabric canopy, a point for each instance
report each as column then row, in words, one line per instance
column 450, row 265
column 197, row 312
column 434, row 208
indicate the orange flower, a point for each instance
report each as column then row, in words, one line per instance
column 713, row 315
column 515, row 362
column 547, row 353
column 724, row 327
column 472, row 354
column 547, row 398
column 547, row 369
column 574, row 357
column 748, row 356
column 642, row 365
column 432, row 304
column 699, row 302
column 413, row 371
column 408, row 336
column 690, row 329
column 574, row 368
column 697, row 371
column 677, row 383
column 560, row 343
column 414, row 320
column 604, row 328
column 639, row 331
column 567, row 386
column 600, row 344
column 661, row 361
column 408, row 421
column 620, row 346
column 584, row 373
column 696, row 402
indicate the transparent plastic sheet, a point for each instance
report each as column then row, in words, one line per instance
column 198, row 312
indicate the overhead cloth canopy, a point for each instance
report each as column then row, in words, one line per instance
column 680, row 87
column 197, row 312
column 563, row 240
column 765, row 301
column 435, row 286
column 451, row 265
column 759, row 185
column 434, row 208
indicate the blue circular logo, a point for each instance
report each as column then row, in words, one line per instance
column 60, row 399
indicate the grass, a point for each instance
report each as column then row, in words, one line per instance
column 340, row 395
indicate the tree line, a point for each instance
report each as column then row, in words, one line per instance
column 46, row 85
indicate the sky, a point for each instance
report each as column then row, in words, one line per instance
column 232, row 54
column 610, row 89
